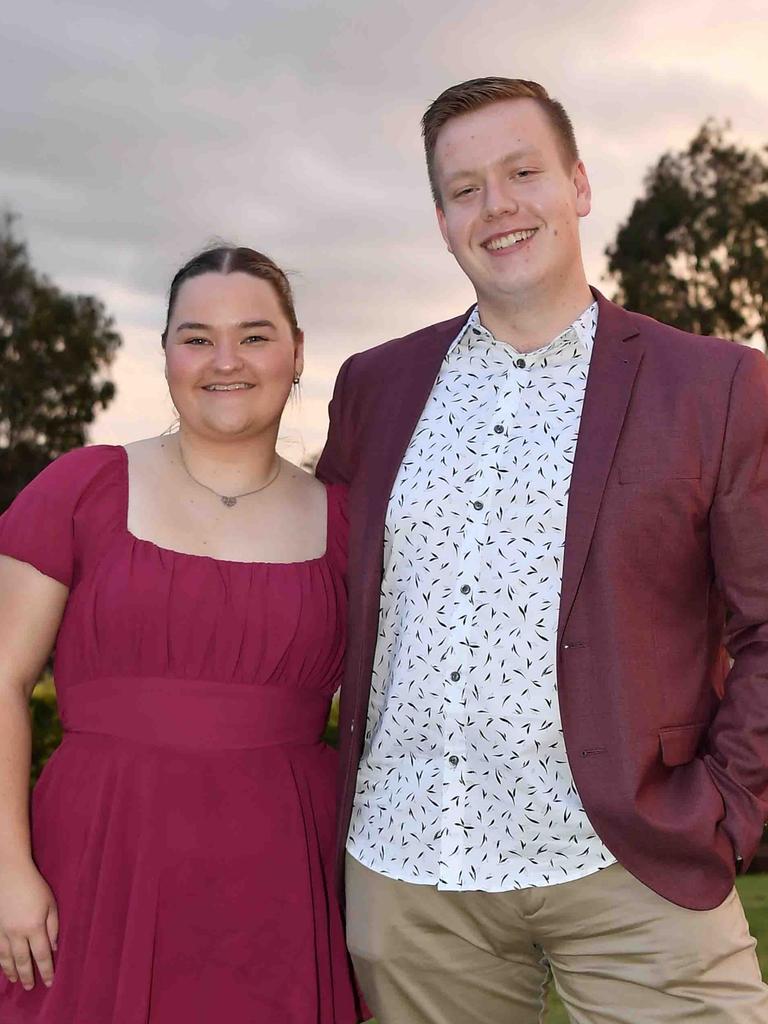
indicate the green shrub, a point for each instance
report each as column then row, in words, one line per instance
column 46, row 727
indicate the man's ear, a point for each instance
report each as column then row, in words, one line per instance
column 583, row 190
column 443, row 227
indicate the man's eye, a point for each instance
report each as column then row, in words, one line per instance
column 523, row 174
column 464, row 192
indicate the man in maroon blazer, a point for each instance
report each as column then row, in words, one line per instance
column 554, row 719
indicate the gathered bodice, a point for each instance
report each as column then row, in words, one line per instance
column 137, row 609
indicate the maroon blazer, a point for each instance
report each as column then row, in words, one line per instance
column 665, row 575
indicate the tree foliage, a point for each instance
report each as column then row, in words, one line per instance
column 694, row 251
column 54, row 349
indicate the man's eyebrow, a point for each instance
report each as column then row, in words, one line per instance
column 510, row 158
column 191, row 325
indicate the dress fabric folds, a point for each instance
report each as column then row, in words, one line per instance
column 186, row 822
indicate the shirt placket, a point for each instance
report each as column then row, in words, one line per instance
column 503, row 389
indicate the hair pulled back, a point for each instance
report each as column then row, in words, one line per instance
column 230, row 259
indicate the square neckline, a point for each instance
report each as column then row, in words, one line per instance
column 125, row 466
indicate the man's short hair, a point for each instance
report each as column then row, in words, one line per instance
column 481, row 92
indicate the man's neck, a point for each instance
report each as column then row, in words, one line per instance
column 532, row 321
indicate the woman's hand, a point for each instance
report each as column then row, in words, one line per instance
column 29, row 925
column 31, row 607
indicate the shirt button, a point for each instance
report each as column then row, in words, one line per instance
column 477, row 505
column 520, row 364
column 465, row 588
column 453, row 760
column 498, row 429
column 455, row 677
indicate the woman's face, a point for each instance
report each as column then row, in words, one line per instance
column 231, row 356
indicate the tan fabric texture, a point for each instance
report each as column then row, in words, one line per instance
column 618, row 952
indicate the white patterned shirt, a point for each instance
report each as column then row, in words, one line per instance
column 464, row 781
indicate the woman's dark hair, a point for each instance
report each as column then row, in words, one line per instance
column 230, row 259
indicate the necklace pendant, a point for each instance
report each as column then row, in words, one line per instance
column 229, row 502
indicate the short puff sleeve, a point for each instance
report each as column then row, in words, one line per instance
column 337, row 542
column 38, row 528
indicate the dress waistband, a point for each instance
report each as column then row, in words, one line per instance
column 195, row 714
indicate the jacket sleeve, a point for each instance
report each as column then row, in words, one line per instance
column 335, row 465
column 737, row 744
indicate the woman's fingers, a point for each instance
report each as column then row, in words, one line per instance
column 29, row 925
column 23, row 961
column 40, row 947
column 7, row 963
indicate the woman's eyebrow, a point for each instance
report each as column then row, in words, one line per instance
column 191, row 325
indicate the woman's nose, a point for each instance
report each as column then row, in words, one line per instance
column 227, row 357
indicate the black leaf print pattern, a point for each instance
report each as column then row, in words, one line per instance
column 464, row 781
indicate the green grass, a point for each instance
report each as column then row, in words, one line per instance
column 753, row 890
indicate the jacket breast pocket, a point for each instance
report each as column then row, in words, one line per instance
column 649, row 471
column 680, row 743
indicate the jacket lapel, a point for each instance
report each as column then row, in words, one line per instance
column 615, row 361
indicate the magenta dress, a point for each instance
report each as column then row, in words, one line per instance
column 185, row 824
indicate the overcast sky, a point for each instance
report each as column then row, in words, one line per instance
column 132, row 134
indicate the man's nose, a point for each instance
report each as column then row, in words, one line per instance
column 498, row 200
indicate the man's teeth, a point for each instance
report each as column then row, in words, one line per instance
column 511, row 239
column 226, row 387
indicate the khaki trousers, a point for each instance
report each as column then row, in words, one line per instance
column 618, row 953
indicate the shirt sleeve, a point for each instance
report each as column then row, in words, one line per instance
column 38, row 528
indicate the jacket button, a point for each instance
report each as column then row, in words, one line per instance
column 453, row 760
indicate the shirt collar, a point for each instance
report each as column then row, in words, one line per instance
column 575, row 343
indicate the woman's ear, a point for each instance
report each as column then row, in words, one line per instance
column 298, row 354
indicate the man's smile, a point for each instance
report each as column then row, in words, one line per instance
column 509, row 240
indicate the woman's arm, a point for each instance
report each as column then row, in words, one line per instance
column 31, row 608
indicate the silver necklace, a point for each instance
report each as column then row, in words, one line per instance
column 229, row 500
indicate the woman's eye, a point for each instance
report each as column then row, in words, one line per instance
column 255, row 338
column 197, row 341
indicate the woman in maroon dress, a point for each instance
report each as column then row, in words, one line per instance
column 178, row 865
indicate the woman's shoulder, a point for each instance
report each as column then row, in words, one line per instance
column 337, row 532
column 69, row 475
column 337, row 498
column 84, row 462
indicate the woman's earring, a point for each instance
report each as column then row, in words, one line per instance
column 296, row 380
